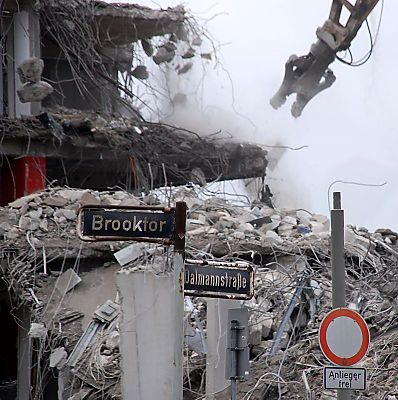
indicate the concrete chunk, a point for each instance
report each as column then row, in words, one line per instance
column 67, row 281
column 130, row 253
column 18, row 203
column 245, row 227
column 58, row 358
column 32, row 92
column 56, row 201
column 203, row 231
column 275, row 222
column 30, row 70
column 69, row 214
column 273, row 237
column 26, row 223
column 89, row 198
column 37, row 330
column 239, row 235
column 71, row 195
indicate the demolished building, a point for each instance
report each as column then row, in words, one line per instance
column 58, row 299
column 69, row 116
column 87, row 132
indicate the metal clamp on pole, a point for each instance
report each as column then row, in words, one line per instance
column 237, row 360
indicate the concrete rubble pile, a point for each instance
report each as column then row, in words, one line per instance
column 289, row 250
column 43, row 266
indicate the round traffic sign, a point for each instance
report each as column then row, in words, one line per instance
column 344, row 337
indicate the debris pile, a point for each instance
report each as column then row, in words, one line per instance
column 42, row 257
column 290, row 252
column 35, row 228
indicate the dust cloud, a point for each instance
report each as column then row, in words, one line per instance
column 347, row 133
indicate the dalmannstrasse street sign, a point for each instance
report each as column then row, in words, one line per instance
column 218, row 279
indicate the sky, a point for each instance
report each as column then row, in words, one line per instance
column 349, row 130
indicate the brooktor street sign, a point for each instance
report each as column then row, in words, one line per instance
column 126, row 223
column 218, row 279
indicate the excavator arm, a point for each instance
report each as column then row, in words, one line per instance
column 310, row 74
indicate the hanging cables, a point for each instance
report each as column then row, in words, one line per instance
column 352, row 183
column 367, row 56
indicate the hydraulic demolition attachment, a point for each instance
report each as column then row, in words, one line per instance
column 310, row 74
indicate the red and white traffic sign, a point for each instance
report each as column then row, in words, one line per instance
column 344, row 337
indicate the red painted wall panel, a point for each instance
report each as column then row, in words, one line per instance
column 22, row 176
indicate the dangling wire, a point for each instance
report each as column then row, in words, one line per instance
column 367, row 56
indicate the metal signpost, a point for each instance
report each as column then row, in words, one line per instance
column 343, row 334
column 218, row 279
column 225, row 280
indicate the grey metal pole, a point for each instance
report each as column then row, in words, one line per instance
column 338, row 265
column 233, row 389
column 234, row 360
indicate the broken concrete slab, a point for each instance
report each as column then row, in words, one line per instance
column 37, row 330
column 69, row 214
column 58, row 358
column 203, row 231
column 275, row 222
column 89, row 198
column 273, row 238
column 239, row 235
column 56, row 201
column 193, row 223
column 28, row 224
column 18, row 203
column 67, row 281
column 245, row 227
column 130, row 253
column 71, row 195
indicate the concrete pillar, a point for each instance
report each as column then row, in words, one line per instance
column 2, row 57
column 217, row 324
column 24, row 355
column 151, row 333
column 26, row 43
column 10, row 57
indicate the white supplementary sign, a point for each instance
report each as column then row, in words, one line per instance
column 344, row 378
column 344, row 337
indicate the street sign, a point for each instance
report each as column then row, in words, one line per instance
column 344, row 378
column 344, row 337
column 218, row 279
column 155, row 224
